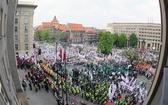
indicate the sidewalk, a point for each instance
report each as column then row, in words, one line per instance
column 37, row 98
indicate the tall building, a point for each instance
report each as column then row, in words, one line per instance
column 11, row 92
column 24, row 27
column 147, row 33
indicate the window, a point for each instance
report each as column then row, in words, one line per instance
column 1, row 14
column 26, row 38
column 16, row 21
column 26, row 47
column 26, row 20
column 16, row 38
column 26, row 29
column 16, row 29
column 16, row 47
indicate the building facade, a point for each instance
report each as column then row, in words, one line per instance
column 53, row 26
column 75, row 33
column 147, row 33
column 24, row 27
column 11, row 92
column 90, row 35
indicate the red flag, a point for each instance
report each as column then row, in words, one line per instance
column 60, row 53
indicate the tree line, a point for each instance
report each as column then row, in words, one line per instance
column 106, row 41
column 45, row 35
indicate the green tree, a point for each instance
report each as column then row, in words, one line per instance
column 115, row 37
column 122, row 39
column 133, row 40
column 131, row 55
column 105, row 43
column 100, row 34
column 45, row 36
column 37, row 35
column 61, row 36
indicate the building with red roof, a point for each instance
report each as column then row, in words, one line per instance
column 51, row 25
column 75, row 33
column 54, row 23
column 61, row 27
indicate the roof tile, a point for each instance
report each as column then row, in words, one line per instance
column 76, row 27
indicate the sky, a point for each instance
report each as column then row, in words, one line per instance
column 96, row 13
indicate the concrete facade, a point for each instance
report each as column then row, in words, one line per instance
column 10, row 86
column 149, row 32
column 156, row 95
column 24, row 27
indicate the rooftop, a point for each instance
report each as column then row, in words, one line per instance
column 26, row 2
column 76, row 27
column 61, row 27
column 136, row 23
column 54, row 20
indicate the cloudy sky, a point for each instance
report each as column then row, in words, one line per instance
column 96, row 13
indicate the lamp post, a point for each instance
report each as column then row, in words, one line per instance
column 143, row 45
column 62, row 86
column 65, row 74
column 128, row 43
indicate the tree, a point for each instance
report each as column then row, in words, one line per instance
column 133, row 40
column 100, row 34
column 115, row 37
column 61, row 36
column 122, row 39
column 105, row 43
column 131, row 55
column 38, row 34
column 45, row 36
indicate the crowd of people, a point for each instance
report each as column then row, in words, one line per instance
column 111, row 80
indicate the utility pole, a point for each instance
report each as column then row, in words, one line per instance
column 56, row 52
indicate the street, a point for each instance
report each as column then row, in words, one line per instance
column 37, row 98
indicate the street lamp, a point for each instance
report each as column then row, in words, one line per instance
column 56, row 51
column 128, row 43
column 143, row 45
column 65, row 73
